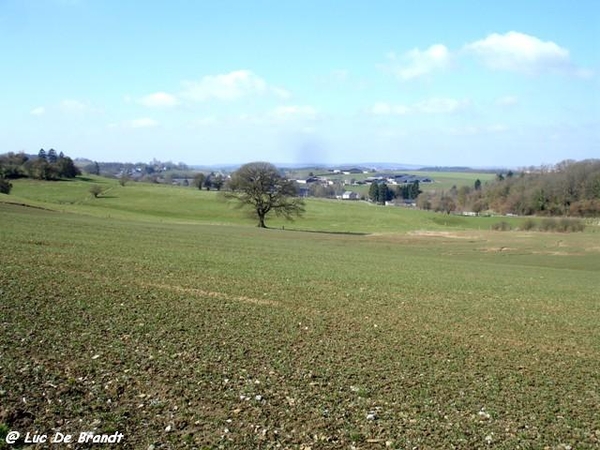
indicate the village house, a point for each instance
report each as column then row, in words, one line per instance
column 350, row 195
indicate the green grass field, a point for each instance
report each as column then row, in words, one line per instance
column 445, row 180
column 166, row 315
column 152, row 202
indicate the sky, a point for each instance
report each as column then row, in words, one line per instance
column 509, row 83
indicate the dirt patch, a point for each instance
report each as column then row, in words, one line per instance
column 220, row 295
column 447, row 234
column 496, row 249
column 556, row 253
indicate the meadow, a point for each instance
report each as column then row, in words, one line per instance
column 164, row 314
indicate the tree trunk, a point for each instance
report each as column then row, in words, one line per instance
column 261, row 221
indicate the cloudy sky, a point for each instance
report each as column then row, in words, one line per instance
column 498, row 83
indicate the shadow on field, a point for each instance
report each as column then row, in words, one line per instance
column 26, row 205
column 347, row 233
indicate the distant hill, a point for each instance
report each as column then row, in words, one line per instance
column 371, row 165
column 462, row 169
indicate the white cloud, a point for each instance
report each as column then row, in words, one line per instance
column 144, row 122
column 230, row 86
column 417, row 63
column 40, row 110
column 429, row 106
column 512, row 51
column 159, row 99
column 518, row 52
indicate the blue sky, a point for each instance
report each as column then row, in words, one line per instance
column 511, row 83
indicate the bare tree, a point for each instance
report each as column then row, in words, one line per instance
column 96, row 190
column 199, row 180
column 260, row 186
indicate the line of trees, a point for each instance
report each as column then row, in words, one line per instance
column 381, row 192
column 208, row 182
column 46, row 166
column 145, row 171
column 568, row 189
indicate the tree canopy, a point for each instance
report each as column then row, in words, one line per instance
column 570, row 189
column 262, row 188
column 47, row 166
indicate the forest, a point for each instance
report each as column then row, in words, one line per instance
column 570, row 188
column 46, row 166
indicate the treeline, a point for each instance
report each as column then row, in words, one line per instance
column 382, row 193
column 140, row 171
column 208, row 182
column 45, row 166
column 568, row 189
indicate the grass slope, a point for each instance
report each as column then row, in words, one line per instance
column 181, row 333
column 445, row 180
column 154, row 202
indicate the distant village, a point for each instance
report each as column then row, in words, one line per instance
column 336, row 178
